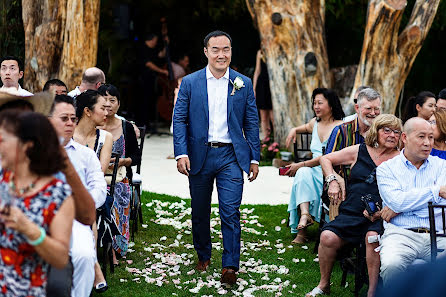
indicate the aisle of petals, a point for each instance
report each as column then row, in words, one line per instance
column 162, row 266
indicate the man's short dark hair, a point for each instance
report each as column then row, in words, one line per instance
column 216, row 34
column 61, row 99
column 442, row 94
column 54, row 82
column 14, row 58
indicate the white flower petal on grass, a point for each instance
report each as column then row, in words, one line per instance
column 316, row 259
column 144, row 225
column 164, row 238
column 278, row 228
column 191, row 272
column 281, row 251
column 302, row 260
column 296, row 260
column 283, row 221
column 122, row 280
column 305, row 247
column 222, row 291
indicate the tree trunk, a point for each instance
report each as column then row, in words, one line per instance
column 293, row 41
column 387, row 58
column 60, row 40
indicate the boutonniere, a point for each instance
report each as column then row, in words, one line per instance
column 237, row 84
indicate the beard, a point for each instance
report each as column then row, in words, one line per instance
column 366, row 121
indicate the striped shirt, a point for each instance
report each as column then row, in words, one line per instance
column 344, row 135
column 407, row 190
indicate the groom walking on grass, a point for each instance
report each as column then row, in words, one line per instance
column 216, row 137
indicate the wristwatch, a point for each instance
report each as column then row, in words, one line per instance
column 330, row 178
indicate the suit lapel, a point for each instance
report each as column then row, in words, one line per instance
column 230, row 87
column 203, row 87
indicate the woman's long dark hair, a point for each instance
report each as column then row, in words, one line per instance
column 87, row 99
column 410, row 110
column 333, row 102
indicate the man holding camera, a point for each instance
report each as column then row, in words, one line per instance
column 406, row 184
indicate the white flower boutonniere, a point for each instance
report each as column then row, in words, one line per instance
column 237, row 84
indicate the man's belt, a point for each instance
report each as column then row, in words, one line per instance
column 218, row 144
column 419, row 230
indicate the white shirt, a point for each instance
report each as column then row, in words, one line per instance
column 218, row 107
column 22, row 92
column 350, row 118
column 75, row 92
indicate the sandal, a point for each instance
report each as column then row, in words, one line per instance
column 310, row 221
column 302, row 239
column 101, row 287
column 317, row 292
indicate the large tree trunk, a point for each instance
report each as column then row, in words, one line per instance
column 387, row 58
column 60, row 40
column 293, row 41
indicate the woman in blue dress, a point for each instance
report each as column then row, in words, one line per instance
column 304, row 206
column 438, row 122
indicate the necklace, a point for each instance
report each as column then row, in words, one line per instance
column 24, row 190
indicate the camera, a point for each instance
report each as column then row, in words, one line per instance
column 370, row 205
column 283, row 170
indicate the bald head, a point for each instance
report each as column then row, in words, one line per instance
column 92, row 78
column 415, row 124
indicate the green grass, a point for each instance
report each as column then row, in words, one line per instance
column 301, row 277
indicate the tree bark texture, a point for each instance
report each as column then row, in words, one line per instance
column 293, row 41
column 387, row 57
column 61, row 40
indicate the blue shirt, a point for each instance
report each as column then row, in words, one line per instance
column 88, row 168
column 407, row 190
column 438, row 153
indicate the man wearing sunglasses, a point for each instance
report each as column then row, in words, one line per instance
column 85, row 177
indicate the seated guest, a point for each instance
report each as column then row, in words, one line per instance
column 307, row 186
column 438, row 122
column 57, row 86
column 422, row 106
column 83, row 173
column 353, row 117
column 441, row 100
column 92, row 79
column 124, row 141
column 354, row 224
column 37, row 208
column 406, row 184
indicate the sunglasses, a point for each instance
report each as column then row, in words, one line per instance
column 66, row 118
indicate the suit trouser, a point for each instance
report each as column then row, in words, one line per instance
column 220, row 165
column 83, row 255
column 400, row 247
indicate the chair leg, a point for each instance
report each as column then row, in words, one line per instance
column 140, row 205
column 104, row 261
column 110, row 257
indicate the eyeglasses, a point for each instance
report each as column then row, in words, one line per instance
column 387, row 130
column 66, row 118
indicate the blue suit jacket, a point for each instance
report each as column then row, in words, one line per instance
column 191, row 121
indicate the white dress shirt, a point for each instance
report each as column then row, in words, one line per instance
column 75, row 92
column 218, row 107
column 22, row 92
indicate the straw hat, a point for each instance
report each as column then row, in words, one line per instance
column 41, row 102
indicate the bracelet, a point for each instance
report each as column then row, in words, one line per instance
column 330, row 178
column 38, row 240
column 304, row 164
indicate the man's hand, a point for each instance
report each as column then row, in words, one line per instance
column 387, row 214
column 376, row 215
column 253, row 172
column 183, row 165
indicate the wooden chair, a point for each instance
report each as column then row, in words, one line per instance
column 302, row 150
column 135, row 184
column 433, row 228
column 107, row 248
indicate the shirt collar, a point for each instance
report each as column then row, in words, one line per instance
column 210, row 75
column 70, row 144
column 408, row 163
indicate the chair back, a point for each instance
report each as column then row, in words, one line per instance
column 114, row 174
column 302, row 150
column 433, row 230
column 142, row 134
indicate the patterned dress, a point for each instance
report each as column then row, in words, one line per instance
column 120, row 211
column 22, row 271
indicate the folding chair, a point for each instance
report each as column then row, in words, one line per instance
column 135, row 183
column 433, row 230
column 302, row 150
column 101, row 212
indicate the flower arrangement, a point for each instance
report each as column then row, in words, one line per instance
column 269, row 149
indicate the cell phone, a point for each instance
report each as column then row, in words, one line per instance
column 370, row 205
column 283, row 170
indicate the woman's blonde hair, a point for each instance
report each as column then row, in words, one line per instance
column 440, row 118
column 381, row 121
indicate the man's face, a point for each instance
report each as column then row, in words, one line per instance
column 64, row 120
column 441, row 104
column 368, row 110
column 218, row 53
column 59, row 90
column 10, row 73
column 418, row 143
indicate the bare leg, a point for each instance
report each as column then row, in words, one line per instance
column 98, row 275
column 301, row 237
column 271, row 117
column 264, row 118
column 328, row 248
column 373, row 264
column 304, row 209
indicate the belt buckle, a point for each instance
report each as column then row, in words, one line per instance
column 214, row 144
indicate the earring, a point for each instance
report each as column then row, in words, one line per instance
column 375, row 145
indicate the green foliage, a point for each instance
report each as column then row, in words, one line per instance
column 12, row 35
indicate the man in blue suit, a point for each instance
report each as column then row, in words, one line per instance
column 216, row 137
